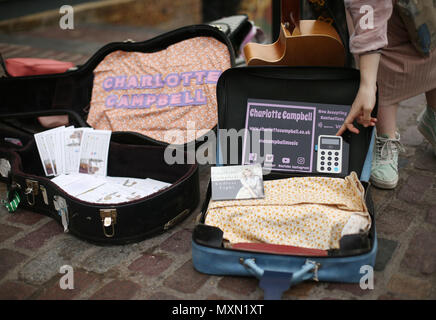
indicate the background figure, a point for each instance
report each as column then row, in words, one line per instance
column 389, row 59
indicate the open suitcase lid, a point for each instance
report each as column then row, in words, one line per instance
column 299, row 86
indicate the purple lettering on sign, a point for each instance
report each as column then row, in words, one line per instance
column 132, row 83
column 120, row 82
column 292, row 145
column 176, row 99
column 199, row 76
column 111, row 101
column 124, row 101
column 200, row 98
column 188, row 100
column 108, row 83
column 213, row 76
column 137, row 100
column 150, row 99
column 158, row 83
column 172, row 80
column 162, row 100
column 146, row 82
column 187, row 76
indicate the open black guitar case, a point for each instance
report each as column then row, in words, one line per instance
column 131, row 154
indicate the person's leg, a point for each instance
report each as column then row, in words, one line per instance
column 387, row 120
column 427, row 119
column 384, row 170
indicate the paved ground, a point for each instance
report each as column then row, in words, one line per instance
column 33, row 247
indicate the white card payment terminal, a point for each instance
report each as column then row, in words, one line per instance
column 329, row 158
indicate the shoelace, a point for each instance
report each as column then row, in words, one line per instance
column 386, row 149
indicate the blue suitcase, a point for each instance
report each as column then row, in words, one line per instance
column 278, row 272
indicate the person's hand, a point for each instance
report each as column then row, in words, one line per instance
column 360, row 110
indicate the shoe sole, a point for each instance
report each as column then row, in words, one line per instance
column 381, row 184
column 429, row 136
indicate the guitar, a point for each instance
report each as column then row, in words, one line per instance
column 300, row 43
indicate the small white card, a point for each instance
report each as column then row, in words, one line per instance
column 72, row 141
column 44, row 155
column 237, row 182
column 53, row 142
column 94, row 151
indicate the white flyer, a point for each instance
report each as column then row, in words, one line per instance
column 111, row 193
column 44, row 155
column 108, row 190
column 78, row 184
column 72, row 140
column 94, row 151
column 53, row 142
column 65, row 179
column 149, row 186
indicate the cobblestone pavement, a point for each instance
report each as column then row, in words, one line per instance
column 33, row 247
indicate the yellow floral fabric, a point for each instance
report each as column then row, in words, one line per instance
column 310, row 212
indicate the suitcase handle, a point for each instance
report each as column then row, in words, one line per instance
column 274, row 283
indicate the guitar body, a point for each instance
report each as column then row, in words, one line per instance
column 312, row 43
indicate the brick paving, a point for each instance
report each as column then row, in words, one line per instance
column 33, row 248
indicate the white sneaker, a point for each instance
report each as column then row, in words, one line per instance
column 384, row 169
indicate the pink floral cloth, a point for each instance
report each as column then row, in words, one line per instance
column 160, row 94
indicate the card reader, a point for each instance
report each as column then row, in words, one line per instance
column 329, row 158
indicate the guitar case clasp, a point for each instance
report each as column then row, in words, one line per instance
column 108, row 220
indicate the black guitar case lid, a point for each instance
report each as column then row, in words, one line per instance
column 70, row 93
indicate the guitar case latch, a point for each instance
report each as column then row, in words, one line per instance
column 108, row 220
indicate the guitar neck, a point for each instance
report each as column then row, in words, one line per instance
column 290, row 13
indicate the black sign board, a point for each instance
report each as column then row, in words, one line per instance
column 292, row 129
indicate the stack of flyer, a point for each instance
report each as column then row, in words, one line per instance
column 78, row 158
column 73, row 150
column 108, row 190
